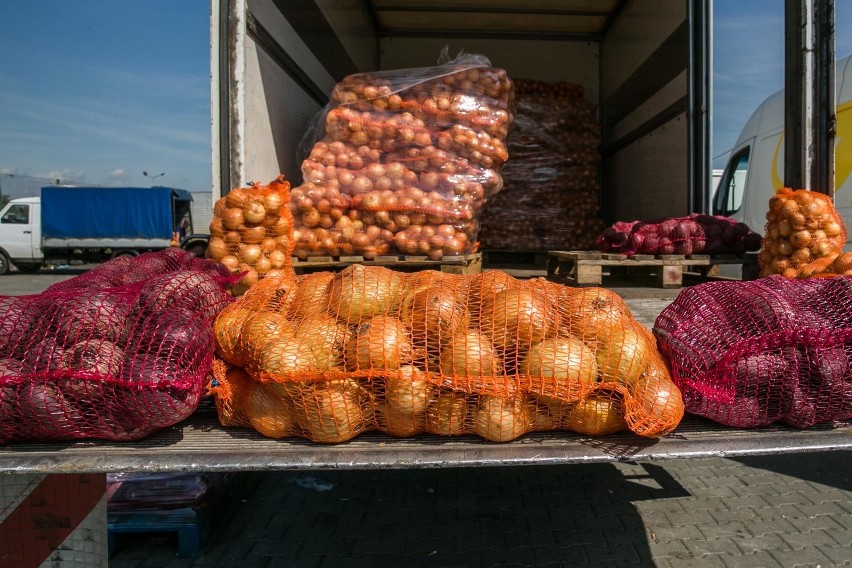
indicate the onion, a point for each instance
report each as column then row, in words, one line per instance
column 253, row 236
column 98, row 356
column 623, row 355
column 311, row 294
column 254, row 212
column 331, row 411
column 285, row 357
column 91, row 314
column 654, row 407
column 434, row 315
column 46, row 355
column 232, row 219
column 359, row 292
column 17, row 315
column 261, row 327
column 237, row 197
column 272, row 202
column 179, row 335
column 182, row 289
column 47, row 411
column 597, row 415
column 518, row 318
column 326, row 336
column 561, row 369
column 501, row 419
column 382, row 343
column 270, row 413
column 486, row 285
column 470, row 355
column 447, row 414
column 593, row 313
column 150, row 369
column 217, row 249
column 408, row 392
column 398, row 423
column 249, row 254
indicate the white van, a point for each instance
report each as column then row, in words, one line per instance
column 756, row 167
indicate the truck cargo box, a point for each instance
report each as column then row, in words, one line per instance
column 645, row 64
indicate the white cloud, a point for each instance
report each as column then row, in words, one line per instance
column 66, row 175
column 118, row 174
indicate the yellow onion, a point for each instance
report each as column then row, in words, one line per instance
column 408, row 392
column 548, row 415
column 560, row 369
column 486, row 285
column 331, row 411
column 311, row 294
column 226, row 329
column 518, row 317
column 447, row 414
column 232, row 397
column 470, row 355
column 262, row 327
column 655, row 406
column 623, row 354
column 286, row 357
column 326, row 336
column 596, row 415
column 434, row 315
column 592, row 313
column 398, row 423
column 270, row 413
column 360, row 292
column 501, row 419
column 381, row 343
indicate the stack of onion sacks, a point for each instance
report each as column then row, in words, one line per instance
column 369, row 348
column 804, row 235
column 252, row 232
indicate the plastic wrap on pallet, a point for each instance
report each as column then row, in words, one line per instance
column 91, row 359
column 403, row 161
column 163, row 491
column 692, row 234
column 369, row 348
column 750, row 354
column 551, row 195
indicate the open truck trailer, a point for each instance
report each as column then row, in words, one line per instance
column 274, row 63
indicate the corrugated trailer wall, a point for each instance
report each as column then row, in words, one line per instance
column 645, row 111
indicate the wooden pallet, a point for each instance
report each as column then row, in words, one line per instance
column 461, row 264
column 581, row 268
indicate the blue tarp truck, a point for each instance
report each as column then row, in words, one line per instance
column 94, row 224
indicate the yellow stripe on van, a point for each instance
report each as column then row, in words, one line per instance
column 777, row 183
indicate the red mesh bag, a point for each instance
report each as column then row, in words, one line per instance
column 83, row 360
column 749, row 354
column 252, row 232
column 403, row 161
column 327, row 356
column 693, row 234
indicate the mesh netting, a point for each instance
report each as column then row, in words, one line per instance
column 748, row 354
column 327, row 356
column 252, row 232
column 403, row 161
column 693, row 234
column 93, row 358
column 804, row 236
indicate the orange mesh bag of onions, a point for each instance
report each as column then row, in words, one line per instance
column 403, row 161
column 117, row 353
column 252, row 232
column 804, row 236
column 331, row 355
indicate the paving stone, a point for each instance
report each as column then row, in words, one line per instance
column 666, row 534
column 839, row 555
column 798, row 541
column 833, row 508
column 693, row 517
column 788, row 499
column 760, row 528
column 842, row 536
column 770, row 541
column 573, row 538
column 668, row 549
column 622, row 554
column 523, row 556
column 826, row 522
column 732, row 530
column 709, row 561
column 335, row 561
column 698, row 548
column 760, row 559
column 807, row 557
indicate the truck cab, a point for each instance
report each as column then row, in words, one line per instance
column 20, row 235
column 755, row 170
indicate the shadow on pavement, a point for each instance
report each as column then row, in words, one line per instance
column 827, row 468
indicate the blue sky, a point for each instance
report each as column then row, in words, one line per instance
column 97, row 91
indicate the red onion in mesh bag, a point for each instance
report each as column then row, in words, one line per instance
column 774, row 356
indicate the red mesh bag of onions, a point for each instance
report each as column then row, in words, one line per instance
column 330, row 355
column 749, row 354
column 252, row 232
column 402, row 161
column 111, row 362
column 693, row 234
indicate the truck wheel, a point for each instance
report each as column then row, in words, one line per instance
column 197, row 249
column 4, row 263
column 29, row 268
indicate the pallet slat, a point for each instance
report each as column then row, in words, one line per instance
column 584, row 268
column 461, row 264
